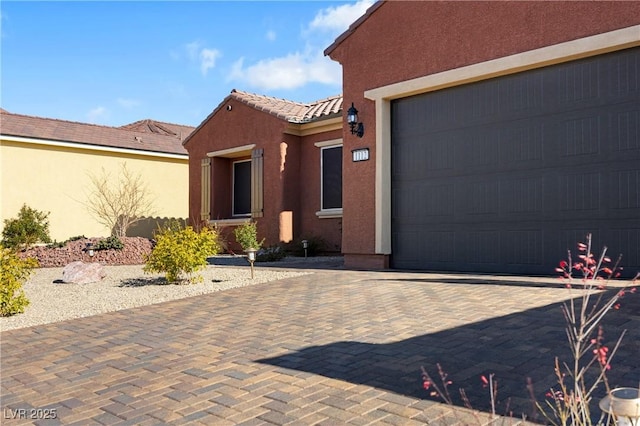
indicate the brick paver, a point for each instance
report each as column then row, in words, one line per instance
column 333, row 347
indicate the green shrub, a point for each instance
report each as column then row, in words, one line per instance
column 315, row 246
column 270, row 254
column 247, row 236
column 31, row 226
column 60, row 244
column 109, row 243
column 179, row 252
column 13, row 273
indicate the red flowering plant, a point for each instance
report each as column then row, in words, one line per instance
column 569, row 403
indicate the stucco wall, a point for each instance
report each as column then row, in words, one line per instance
column 330, row 229
column 55, row 179
column 240, row 126
column 405, row 40
column 291, row 179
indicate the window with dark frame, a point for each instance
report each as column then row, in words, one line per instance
column 331, row 165
column 242, row 188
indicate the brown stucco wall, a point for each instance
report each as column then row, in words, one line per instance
column 291, row 179
column 242, row 125
column 329, row 229
column 401, row 40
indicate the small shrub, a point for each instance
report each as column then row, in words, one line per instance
column 31, row 226
column 315, row 246
column 270, row 254
column 180, row 252
column 247, row 236
column 109, row 243
column 57, row 244
column 60, row 244
column 13, row 273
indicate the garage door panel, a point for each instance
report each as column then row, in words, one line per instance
column 519, row 168
column 625, row 130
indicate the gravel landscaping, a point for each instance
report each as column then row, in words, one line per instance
column 125, row 286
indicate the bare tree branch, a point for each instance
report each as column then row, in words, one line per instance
column 119, row 203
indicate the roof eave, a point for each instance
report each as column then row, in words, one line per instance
column 342, row 37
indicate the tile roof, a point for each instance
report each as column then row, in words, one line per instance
column 294, row 112
column 160, row 127
column 90, row 134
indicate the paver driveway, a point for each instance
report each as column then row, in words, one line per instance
column 333, row 347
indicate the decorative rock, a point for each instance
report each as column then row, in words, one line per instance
column 83, row 273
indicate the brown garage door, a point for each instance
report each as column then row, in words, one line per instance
column 506, row 174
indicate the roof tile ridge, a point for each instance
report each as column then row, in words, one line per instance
column 60, row 120
column 273, row 98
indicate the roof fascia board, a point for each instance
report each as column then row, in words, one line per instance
column 238, row 151
column 345, row 35
column 314, row 127
column 88, row 147
column 206, row 120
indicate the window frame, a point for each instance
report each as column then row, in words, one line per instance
column 233, row 189
column 333, row 212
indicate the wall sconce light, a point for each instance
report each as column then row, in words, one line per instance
column 352, row 119
column 251, row 257
column 624, row 405
column 360, row 154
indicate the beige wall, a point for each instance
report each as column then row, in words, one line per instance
column 55, row 179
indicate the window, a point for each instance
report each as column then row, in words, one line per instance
column 242, row 188
column 235, row 188
column 331, row 180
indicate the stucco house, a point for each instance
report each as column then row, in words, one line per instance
column 496, row 136
column 46, row 163
column 501, row 133
column 275, row 161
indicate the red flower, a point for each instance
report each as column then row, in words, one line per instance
column 485, row 382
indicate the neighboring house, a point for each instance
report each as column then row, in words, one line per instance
column 501, row 133
column 272, row 160
column 46, row 163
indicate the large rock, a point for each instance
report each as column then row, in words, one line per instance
column 83, row 273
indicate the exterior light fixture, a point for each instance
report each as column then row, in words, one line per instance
column 251, row 257
column 305, row 246
column 352, row 119
column 624, row 405
column 360, row 154
column 90, row 250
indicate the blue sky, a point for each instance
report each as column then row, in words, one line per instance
column 114, row 63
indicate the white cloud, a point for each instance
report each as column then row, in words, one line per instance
column 337, row 19
column 288, row 72
column 204, row 57
column 271, row 35
column 128, row 103
column 208, row 59
column 97, row 115
column 296, row 69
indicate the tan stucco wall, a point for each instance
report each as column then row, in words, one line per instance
column 55, row 179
